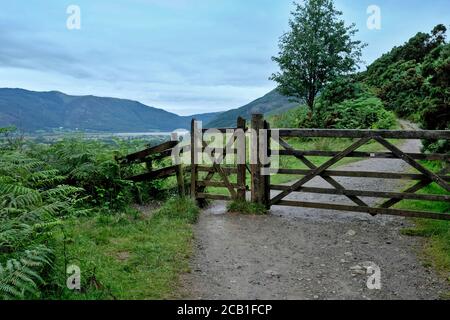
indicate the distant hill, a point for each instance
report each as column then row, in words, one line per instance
column 271, row 103
column 31, row 111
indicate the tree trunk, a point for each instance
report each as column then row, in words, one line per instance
column 310, row 100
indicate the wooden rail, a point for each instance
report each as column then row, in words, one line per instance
column 424, row 178
column 199, row 185
column 148, row 156
column 387, row 134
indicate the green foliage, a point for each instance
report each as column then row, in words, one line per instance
column 179, row 208
column 402, row 89
column 413, row 81
column 294, row 118
column 343, row 88
column 32, row 201
column 10, row 138
column 244, row 207
column 91, row 165
column 131, row 255
column 438, row 232
column 436, row 107
column 361, row 113
column 415, row 49
column 318, row 49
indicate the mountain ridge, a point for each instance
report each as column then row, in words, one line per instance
column 33, row 111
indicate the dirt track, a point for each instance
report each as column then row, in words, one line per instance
column 296, row 253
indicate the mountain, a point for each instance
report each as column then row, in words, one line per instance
column 31, row 111
column 271, row 103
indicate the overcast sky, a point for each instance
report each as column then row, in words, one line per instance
column 186, row 56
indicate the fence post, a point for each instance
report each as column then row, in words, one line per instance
column 257, row 179
column 242, row 160
column 266, row 178
column 179, row 169
column 194, row 158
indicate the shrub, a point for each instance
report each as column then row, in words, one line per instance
column 361, row 113
column 295, row 118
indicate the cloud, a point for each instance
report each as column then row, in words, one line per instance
column 25, row 52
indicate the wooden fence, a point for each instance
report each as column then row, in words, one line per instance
column 263, row 192
column 424, row 177
column 148, row 156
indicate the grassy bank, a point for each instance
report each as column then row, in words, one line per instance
column 437, row 248
column 133, row 255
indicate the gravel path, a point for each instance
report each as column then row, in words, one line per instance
column 296, row 253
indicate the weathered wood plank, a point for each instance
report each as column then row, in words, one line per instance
column 330, row 180
column 400, row 154
column 194, row 161
column 241, row 161
column 390, row 134
column 359, row 174
column 141, row 155
column 320, row 169
column 413, row 189
column 217, row 184
column 255, row 163
column 180, row 180
column 228, row 170
column 222, row 130
column 157, row 174
column 358, row 154
column 372, row 211
column 265, row 187
column 365, row 193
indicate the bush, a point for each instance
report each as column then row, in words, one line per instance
column 402, row 90
column 361, row 113
column 295, row 118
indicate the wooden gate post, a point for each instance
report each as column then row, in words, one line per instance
column 258, row 181
column 241, row 159
column 266, row 177
column 194, row 160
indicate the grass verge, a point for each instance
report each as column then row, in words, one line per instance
column 437, row 248
column 128, row 256
column 244, row 207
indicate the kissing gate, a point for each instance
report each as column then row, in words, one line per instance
column 221, row 158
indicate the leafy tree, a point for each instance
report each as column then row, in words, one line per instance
column 318, row 49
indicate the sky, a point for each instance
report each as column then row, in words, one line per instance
column 185, row 56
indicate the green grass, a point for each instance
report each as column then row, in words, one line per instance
column 248, row 208
column 128, row 256
column 437, row 248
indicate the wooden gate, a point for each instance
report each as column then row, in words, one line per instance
column 358, row 138
column 231, row 177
